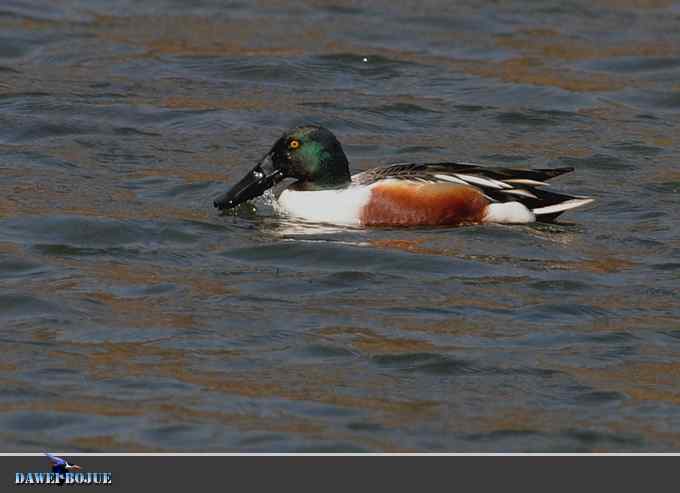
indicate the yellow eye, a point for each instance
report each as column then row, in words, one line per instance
column 294, row 144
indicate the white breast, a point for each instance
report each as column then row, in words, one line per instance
column 325, row 206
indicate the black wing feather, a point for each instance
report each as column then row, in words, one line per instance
column 427, row 171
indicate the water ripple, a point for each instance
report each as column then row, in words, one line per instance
column 135, row 318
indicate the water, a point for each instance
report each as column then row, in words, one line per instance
column 133, row 317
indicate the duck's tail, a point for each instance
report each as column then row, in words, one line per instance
column 527, row 202
column 549, row 205
column 528, row 211
column 516, row 194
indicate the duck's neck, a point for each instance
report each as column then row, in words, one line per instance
column 334, row 173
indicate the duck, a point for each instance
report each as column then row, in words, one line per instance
column 322, row 189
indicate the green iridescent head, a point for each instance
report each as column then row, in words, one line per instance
column 311, row 154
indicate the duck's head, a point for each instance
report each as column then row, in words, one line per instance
column 310, row 154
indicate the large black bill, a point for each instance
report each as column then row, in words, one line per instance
column 261, row 178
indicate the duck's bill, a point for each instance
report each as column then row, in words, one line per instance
column 261, row 178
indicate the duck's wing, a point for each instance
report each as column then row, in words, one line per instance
column 494, row 178
column 496, row 183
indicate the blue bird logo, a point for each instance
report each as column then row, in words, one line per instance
column 61, row 466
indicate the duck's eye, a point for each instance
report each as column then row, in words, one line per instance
column 294, row 144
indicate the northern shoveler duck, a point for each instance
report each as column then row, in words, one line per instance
column 404, row 194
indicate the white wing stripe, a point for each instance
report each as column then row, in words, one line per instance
column 523, row 193
column 525, row 181
column 484, row 182
column 562, row 206
column 450, row 178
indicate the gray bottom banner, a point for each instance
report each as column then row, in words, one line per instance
column 339, row 473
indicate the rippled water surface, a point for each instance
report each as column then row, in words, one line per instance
column 133, row 317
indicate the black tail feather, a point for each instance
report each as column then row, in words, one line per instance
column 543, row 198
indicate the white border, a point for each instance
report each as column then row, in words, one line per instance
column 306, row 454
